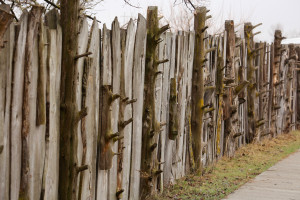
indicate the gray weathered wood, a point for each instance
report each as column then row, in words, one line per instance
column 52, row 160
column 6, row 58
column 128, row 74
column 33, row 135
column 117, row 61
column 16, row 113
column 137, row 93
column 169, row 144
column 91, row 120
column 116, row 75
column 82, row 48
column 166, row 53
column 106, row 78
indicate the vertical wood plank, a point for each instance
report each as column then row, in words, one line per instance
column 16, row 110
column 177, row 76
column 116, row 75
column 89, row 123
column 137, row 93
column 127, row 70
column 166, row 54
column 190, row 60
column 106, row 79
column 54, row 73
column 82, row 48
column 33, row 142
column 6, row 61
column 182, row 123
column 169, row 144
column 158, row 103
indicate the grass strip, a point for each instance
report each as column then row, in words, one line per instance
column 227, row 175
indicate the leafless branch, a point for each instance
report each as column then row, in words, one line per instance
column 130, row 4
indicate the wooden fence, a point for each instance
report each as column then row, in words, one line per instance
column 249, row 92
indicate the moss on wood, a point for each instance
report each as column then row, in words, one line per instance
column 150, row 126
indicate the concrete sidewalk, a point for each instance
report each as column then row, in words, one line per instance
column 280, row 182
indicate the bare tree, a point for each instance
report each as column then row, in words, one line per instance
column 18, row 6
column 180, row 18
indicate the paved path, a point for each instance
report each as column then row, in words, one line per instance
column 280, row 182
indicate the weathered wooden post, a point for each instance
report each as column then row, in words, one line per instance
column 29, row 125
column 125, row 111
column 277, row 99
column 271, row 93
column 229, row 107
column 220, row 93
column 151, row 127
column 253, row 122
column 70, row 115
column 16, row 107
column 261, row 87
column 198, row 85
column 297, row 106
column 7, row 54
column 291, row 89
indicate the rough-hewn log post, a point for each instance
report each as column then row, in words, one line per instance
column 276, row 79
column 198, row 85
column 261, row 87
column 69, row 115
column 219, row 92
column 150, row 170
column 291, row 89
column 271, row 92
column 297, row 107
column 251, row 90
column 229, row 126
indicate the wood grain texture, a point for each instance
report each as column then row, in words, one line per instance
column 54, row 67
column 90, row 122
column 6, row 67
column 5, row 20
column 115, row 122
column 33, row 143
column 127, row 86
column 16, row 110
column 137, row 109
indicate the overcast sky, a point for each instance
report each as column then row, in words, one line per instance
column 272, row 13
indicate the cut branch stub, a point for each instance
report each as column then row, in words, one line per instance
column 239, row 88
column 82, row 168
column 81, row 114
column 82, row 55
column 124, row 123
column 131, row 101
column 119, row 193
column 260, row 123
